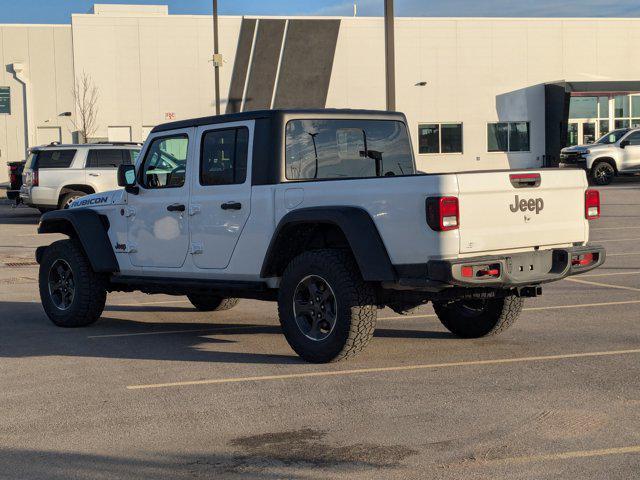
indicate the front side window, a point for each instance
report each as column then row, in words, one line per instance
column 165, row 163
column 508, row 137
column 320, row 149
column 223, row 157
column 440, row 138
column 54, row 158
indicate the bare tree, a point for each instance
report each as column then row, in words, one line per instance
column 85, row 98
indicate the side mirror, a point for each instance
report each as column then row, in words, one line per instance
column 624, row 143
column 127, row 178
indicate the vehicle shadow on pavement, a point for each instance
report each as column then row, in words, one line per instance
column 19, row 216
column 26, row 332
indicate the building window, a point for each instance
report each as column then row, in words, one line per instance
column 440, row 138
column 508, row 137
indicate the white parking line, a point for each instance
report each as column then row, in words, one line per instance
column 634, row 272
column 613, row 228
column 598, row 284
column 565, row 455
column 428, row 366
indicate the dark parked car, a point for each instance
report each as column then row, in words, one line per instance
column 15, row 180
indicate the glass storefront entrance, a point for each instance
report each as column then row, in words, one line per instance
column 590, row 117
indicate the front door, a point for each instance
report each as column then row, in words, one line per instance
column 631, row 153
column 220, row 192
column 158, row 223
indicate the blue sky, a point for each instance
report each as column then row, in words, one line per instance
column 59, row 11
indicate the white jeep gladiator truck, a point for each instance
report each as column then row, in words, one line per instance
column 324, row 212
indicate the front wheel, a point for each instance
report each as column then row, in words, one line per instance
column 475, row 318
column 72, row 294
column 603, row 173
column 327, row 311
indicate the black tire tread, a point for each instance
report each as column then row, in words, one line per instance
column 503, row 315
column 208, row 303
column 93, row 294
column 358, row 294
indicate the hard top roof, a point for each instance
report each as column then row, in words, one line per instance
column 256, row 114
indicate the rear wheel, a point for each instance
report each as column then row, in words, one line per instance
column 603, row 173
column 210, row 303
column 72, row 294
column 68, row 198
column 327, row 311
column 474, row 318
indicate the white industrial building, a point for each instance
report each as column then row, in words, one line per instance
column 479, row 93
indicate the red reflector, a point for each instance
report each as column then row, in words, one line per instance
column 467, row 271
column 442, row 213
column 582, row 260
column 592, row 204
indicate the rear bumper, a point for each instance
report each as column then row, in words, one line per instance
column 516, row 270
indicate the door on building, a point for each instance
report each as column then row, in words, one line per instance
column 47, row 135
column 158, row 225
column 119, row 134
column 220, row 193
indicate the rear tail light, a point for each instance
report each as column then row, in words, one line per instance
column 592, row 204
column 584, row 259
column 35, row 178
column 442, row 213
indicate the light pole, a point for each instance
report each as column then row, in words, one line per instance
column 389, row 56
column 216, row 66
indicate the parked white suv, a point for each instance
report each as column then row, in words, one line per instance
column 55, row 175
column 324, row 212
column 616, row 153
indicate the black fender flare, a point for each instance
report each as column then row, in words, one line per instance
column 359, row 229
column 90, row 228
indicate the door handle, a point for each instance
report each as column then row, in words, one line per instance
column 94, row 174
column 231, row 206
column 176, row 207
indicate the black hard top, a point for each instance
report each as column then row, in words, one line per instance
column 256, row 114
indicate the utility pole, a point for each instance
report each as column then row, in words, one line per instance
column 216, row 65
column 389, row 51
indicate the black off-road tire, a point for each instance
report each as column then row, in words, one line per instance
column 209, row 303
column 90, row 293
column 475, row 318
column 69, row 197
column 356, row 311
column 602, row 173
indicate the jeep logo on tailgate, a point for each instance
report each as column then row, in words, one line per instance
column 532, row 205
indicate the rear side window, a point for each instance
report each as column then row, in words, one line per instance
column 317, row 149
column 107, row 158
column 54, row 159
column 223, row 159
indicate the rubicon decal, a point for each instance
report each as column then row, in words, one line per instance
column 523, row 205
column 90, row 201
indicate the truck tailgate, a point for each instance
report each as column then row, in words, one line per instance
column 505, row 210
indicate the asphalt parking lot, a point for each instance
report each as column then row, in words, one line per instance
column 157, row 390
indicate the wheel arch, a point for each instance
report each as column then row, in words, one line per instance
column 75, row 187
column 610, row 160
column 326, row 227
column 90, row 228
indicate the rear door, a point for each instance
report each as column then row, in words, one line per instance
column 102, row 166
column 510, row 210
column 220, row 192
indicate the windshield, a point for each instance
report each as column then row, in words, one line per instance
column 612, row 137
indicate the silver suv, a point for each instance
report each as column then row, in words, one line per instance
column 55, row 175
column 616, row 153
